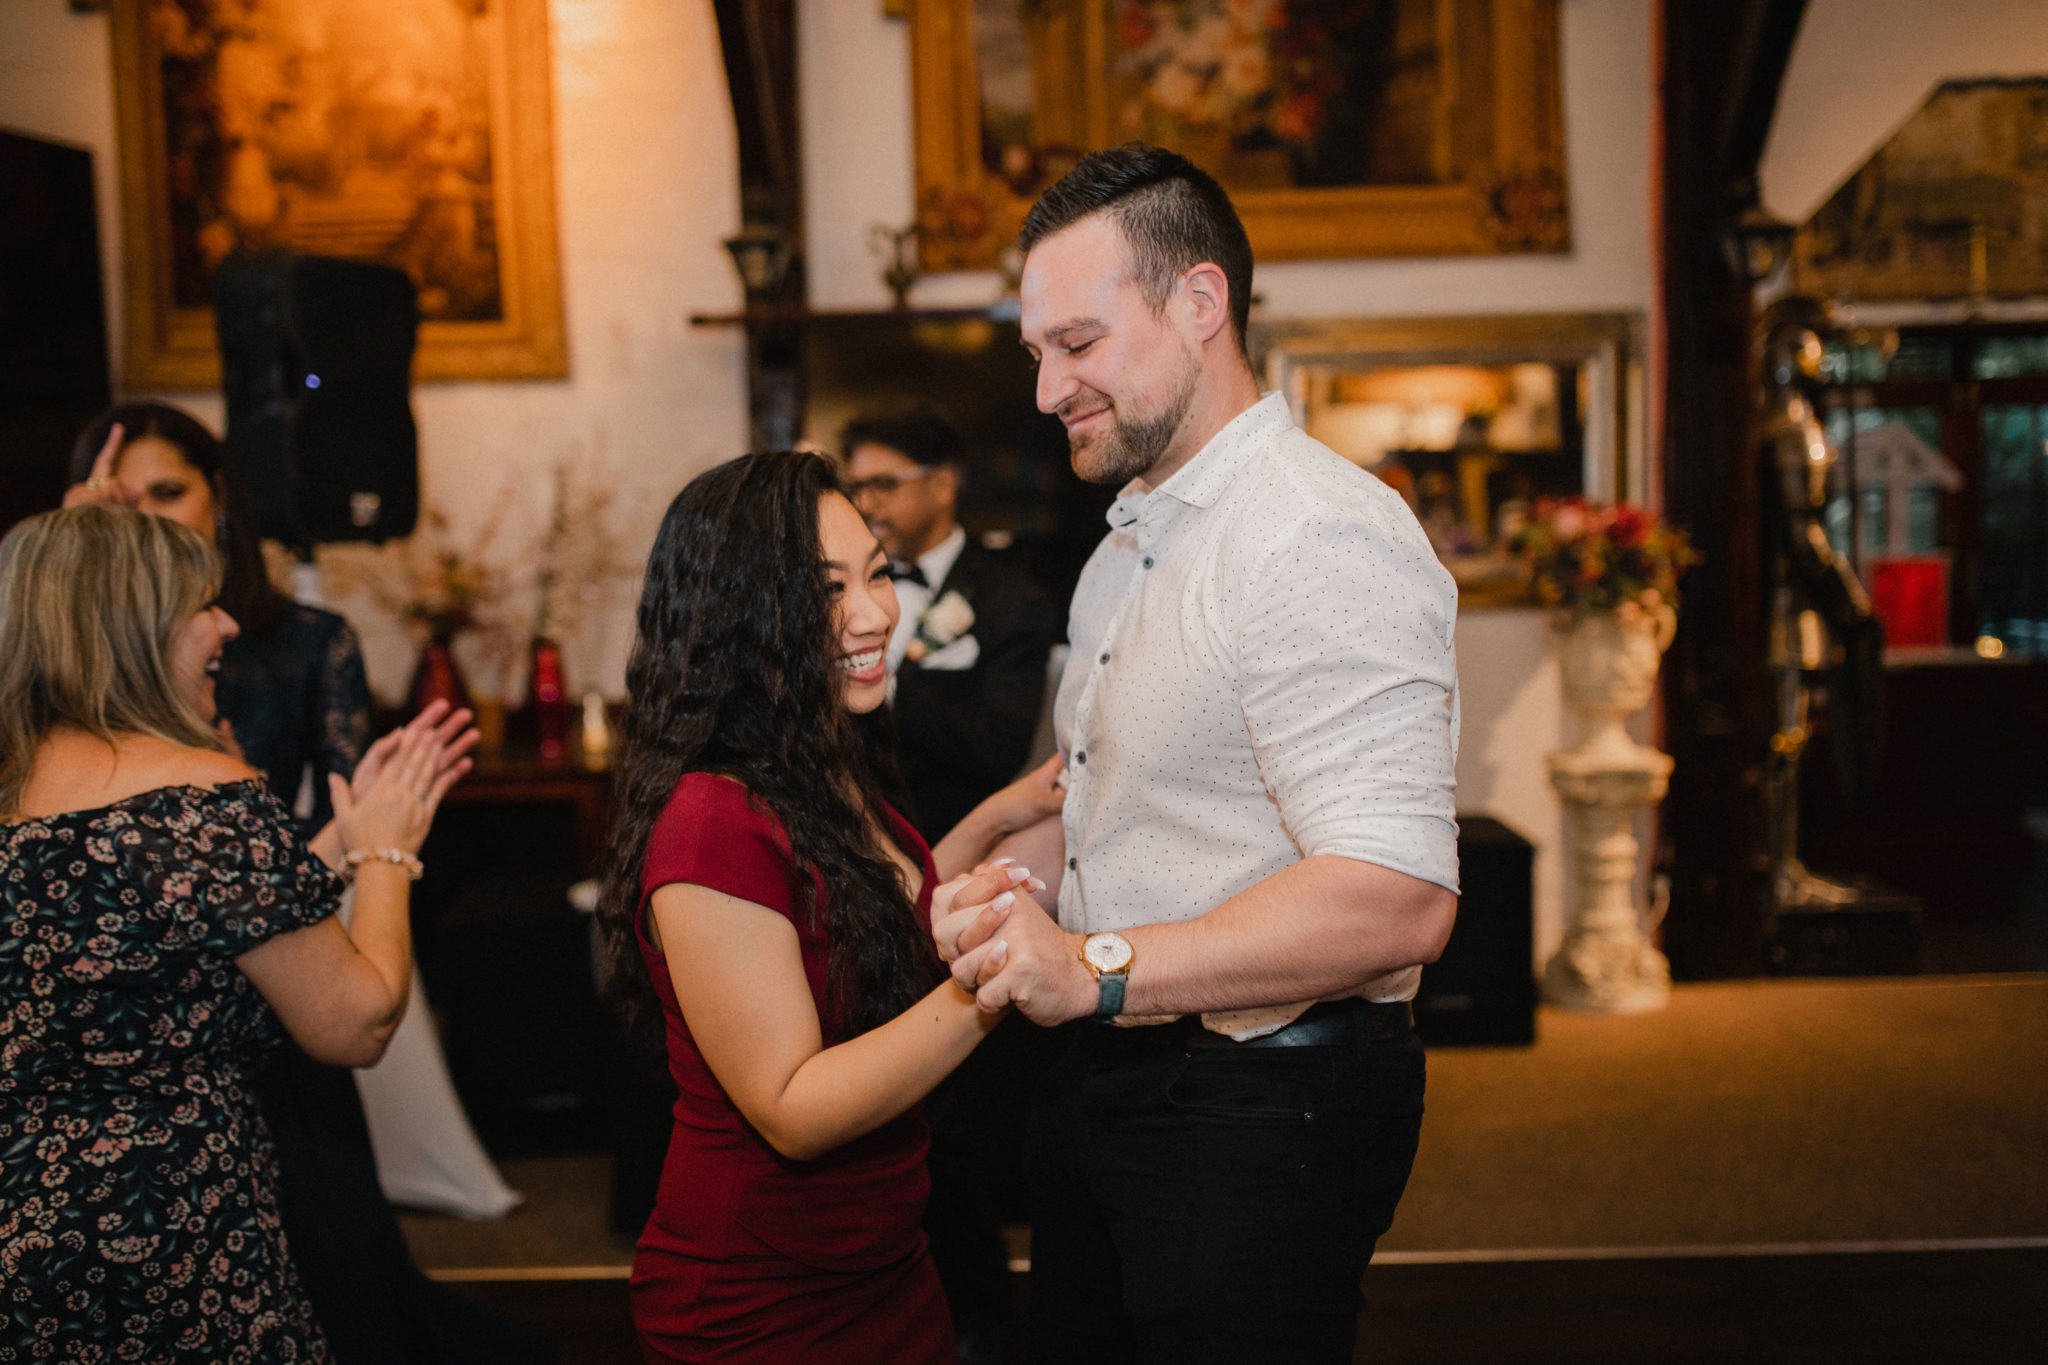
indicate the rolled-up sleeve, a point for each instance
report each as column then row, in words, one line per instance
column 1348, row 680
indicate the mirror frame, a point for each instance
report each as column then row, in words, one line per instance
column 1608, row 346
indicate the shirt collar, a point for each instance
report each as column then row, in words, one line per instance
column 1202, row 480
column 938, row 561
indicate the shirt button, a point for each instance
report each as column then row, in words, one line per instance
column 1105, row 656
column 1081, row 757
column 1073, row 863
column 1147, row 561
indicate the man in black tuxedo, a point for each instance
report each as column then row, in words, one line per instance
column 969, row 653
column 968, row 658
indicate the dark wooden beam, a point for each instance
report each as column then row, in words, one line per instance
column 758, row 40
column 1721, row 63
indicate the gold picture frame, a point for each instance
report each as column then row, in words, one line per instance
column 273, row 131
column 1475, row 130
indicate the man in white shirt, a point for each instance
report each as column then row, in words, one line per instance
column 1259, row 846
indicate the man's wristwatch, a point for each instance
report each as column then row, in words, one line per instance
column 1109, row 957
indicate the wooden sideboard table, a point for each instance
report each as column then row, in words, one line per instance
column 516, row 775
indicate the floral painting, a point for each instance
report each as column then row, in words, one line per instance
column 1342, row 127
column 354, row 129
column 1342, row 91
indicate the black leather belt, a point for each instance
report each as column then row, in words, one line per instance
column 1328, row 1024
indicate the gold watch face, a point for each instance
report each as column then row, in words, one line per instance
column 1106, row 952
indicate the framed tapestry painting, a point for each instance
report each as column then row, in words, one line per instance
column 1340, row 127
column 418, row 135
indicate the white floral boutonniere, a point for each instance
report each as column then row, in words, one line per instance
column 943, row 622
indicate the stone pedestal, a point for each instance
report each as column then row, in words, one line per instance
column 1607, row 963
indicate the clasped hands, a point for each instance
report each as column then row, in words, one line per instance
column 1005, row 950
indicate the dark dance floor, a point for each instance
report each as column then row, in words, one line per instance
column 1774, row 1171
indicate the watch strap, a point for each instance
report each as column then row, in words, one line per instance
column 1109, row 997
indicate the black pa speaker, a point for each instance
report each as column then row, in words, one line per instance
column 316, row 365
column 1483, row 989
column 53, row 332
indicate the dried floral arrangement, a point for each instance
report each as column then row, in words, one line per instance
column 1586, row 557
column 440, row 590
column 579, row 561
column 434, row 586
column 496, row 600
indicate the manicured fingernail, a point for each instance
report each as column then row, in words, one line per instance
column 1002, row 862
column 1034, row 885
column 1003, row 902
column 1019, row 874
column 1000, row 951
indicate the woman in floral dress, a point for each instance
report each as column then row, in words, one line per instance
column 161, row 928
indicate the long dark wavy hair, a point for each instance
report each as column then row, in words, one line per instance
column 735, row 671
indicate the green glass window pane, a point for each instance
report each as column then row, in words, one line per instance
column 1921, row 359
column 1835, row 520
column 2010, row 357
column 1916, row 359
column 2015, row 528
column 1923, row 521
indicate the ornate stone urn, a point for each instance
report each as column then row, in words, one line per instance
column 1609, row 663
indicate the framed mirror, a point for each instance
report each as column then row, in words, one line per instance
column 1472, row 419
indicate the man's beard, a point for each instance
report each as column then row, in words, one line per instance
column 1133, row 445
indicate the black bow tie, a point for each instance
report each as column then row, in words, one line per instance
column 909, row 573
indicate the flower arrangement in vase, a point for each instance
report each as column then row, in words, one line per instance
column 1587, row 556
column 439, row 590
column 577, row 564
column 1611, row 574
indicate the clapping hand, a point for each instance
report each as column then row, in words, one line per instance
column 451, row 728
column 391, row 799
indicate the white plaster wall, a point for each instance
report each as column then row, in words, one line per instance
column 1860, row 68
column 646, row 187
column 858, row 171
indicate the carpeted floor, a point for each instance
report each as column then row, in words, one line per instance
column 1746, row 1114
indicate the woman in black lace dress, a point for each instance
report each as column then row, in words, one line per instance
column 161, row 929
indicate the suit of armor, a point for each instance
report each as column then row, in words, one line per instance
column 1826, row 644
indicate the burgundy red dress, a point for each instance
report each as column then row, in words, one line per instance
column 750, row 1256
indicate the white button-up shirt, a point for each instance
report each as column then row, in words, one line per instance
column 1262, row 672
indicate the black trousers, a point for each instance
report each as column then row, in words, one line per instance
column 1205, row 1204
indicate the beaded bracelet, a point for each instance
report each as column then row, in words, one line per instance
column 397, row 857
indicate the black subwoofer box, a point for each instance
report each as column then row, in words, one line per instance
column 1482, row 991
column 316, row 368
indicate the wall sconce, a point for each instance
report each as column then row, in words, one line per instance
column 761, row 255
column 1758, row 243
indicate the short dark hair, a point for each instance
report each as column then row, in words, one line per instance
column 1171, row 211
column 917, row 433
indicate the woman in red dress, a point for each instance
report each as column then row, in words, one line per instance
column 767, row 897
